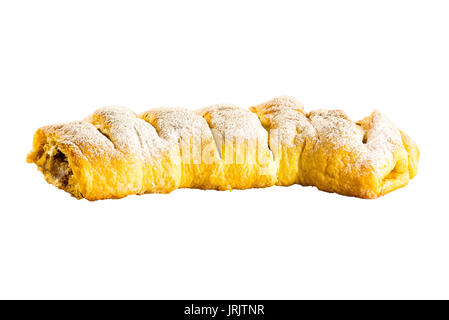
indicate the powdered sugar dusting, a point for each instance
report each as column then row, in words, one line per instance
column 81, row 135
column 373, row 139
column 233, row 122
column 335, row 128
column 382, row 138
column 285, row 120
column 282, row 102
column 175, row 124
column 128, row 133
column 117, row 130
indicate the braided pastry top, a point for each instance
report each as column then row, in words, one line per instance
column 114, row 152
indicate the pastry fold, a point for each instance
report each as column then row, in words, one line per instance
column 115, row 153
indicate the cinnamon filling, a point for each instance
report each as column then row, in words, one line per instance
column 56, row 169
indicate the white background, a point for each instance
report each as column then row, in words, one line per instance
column 60, row 60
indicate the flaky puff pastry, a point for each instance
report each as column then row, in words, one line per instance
column 326, row 149
column 115, row 153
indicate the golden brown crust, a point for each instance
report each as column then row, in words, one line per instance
column 366, row 159
column 115, row 153
column 242, row 142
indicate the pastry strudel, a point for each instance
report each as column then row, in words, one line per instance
column 115, row 153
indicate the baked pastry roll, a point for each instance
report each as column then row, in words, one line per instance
column 324, row 148
column 115, row 153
